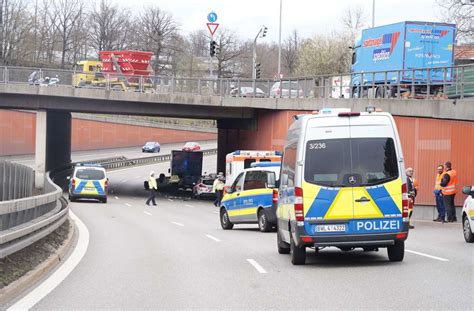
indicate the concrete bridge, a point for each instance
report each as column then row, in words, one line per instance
column 430, row 129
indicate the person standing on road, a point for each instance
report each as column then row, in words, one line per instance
column 449, row 183
column 439, row 195
column 218, row 188
column 152, row 187
column 412, row 185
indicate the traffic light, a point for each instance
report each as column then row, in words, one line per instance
column 212, row 48
column 264, row 31
column 257, row 70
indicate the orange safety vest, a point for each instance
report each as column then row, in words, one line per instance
column 450, row 188
column 439, row 177
column 415, row 184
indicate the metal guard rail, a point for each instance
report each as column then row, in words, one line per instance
column 20, row 234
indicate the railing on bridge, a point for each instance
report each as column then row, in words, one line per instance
column 429, row 83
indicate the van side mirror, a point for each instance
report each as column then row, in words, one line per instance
column 230, row 190
column 68, row 178
column 468, row 190
column 169, row 171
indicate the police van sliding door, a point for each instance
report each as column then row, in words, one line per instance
column 375, row 176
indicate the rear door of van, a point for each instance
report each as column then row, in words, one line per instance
column 376, row 170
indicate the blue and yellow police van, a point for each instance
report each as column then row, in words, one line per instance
column 88, row 181
column 250, row 199
column 342, row 184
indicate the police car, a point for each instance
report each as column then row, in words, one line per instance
column 342, row 184
column 89, row 181
column 468, row 214
column 250, row 198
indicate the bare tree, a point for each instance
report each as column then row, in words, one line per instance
column 290, row 52
column 460, row 13
column 66, row 14
column 158, row 31
column 353, row 19
column 230, row 49
column 108, row 23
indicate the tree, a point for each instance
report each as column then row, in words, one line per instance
column 158, row 32
column 230, row 49
column 460, row 13
column 108, row 26
column 324, row 54
column 353, row 20
column 290, row 52
column 66, row 16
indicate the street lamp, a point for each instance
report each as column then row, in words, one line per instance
column 261, row 33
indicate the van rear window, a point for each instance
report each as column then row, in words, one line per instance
column 369, row 161
column 90, row 174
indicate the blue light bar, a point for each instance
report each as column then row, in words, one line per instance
column 265, row 164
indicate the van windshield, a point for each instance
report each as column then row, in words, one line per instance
column 350, row 162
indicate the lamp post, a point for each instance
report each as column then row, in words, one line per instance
column 373, row 13
column 261, row 33
column 279, row 43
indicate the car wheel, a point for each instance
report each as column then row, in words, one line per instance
column 104, row 200
column 263, row 224
column 72, row 199
column 225, row 222
column 283, row 247
column 466, row 226
column 396, row 252
column 297, row 254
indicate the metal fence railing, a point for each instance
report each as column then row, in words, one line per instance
column 438, row 82
column 16, row 181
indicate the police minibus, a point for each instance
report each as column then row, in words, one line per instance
column 88, row 181
column 342, row 184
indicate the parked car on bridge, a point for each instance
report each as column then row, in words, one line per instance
column 203, row 188
column 151, row 146
column 251, row 196
column 468, row 214
column 191, row 146
column 247, row 91
column 88, row 181
column 282, row 89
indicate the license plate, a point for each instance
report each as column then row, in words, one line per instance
column 89, row 189
column 331, row 228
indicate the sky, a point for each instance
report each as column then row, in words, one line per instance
column 309, row 17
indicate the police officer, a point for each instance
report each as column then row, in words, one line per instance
column 152, row 187
column 449, row 183
column 439, row 195
column 218, row 188
column 412, row 186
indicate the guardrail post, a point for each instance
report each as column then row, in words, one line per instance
column 462, row 82
column 412, row 95
column 445, row 71
column 398, row 83
column 428, row 83
column 172, row 85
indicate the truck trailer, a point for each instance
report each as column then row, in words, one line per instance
column 403, row 58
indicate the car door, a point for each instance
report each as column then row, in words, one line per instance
column 253, row 195
column 232, row 200
column 377, row 191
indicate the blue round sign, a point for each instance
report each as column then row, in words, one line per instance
column 212, row 17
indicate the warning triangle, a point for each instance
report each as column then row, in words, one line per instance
column 212, row 27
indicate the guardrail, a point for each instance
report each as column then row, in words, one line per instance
column 27, row 220
column 435, row 82
column 16, row 181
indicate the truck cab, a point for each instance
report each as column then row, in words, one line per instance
column 85, row 72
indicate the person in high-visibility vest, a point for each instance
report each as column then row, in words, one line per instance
column 412, row 184
column 439, row 195
column 449, row 183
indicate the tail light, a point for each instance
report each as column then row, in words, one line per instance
column 405, row 201
column 301, row 93
column 299, row 212
column 278, row 91
column 73, row 183
column 349, row 114
column 275, row 196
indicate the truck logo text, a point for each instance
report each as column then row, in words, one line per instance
column 389, row 40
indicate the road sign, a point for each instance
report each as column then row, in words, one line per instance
column 212, row 27
column 212, row 17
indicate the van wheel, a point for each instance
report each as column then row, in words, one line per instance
column 225, row 222
column 297, row 254
column 263, row 224
column 104, row 200
column 283, row 247
column 72, row 199
column 396, row 252
column 466, row 226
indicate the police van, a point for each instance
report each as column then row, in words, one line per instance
column 342, row 184
column 250, row 198
column 88, row 181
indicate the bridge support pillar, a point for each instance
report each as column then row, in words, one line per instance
column 53, row 142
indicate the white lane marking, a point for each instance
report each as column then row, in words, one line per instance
column 116, row 198
column 426, row 255
column 188, row 205
column 129, row 205
column 257, row 266
column 42, row 290
column 177, row 223
column 170, row 200
column 148, row 213
column 213, row 238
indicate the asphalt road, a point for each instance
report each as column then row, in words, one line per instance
column 176, row 256
column 130, row 152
